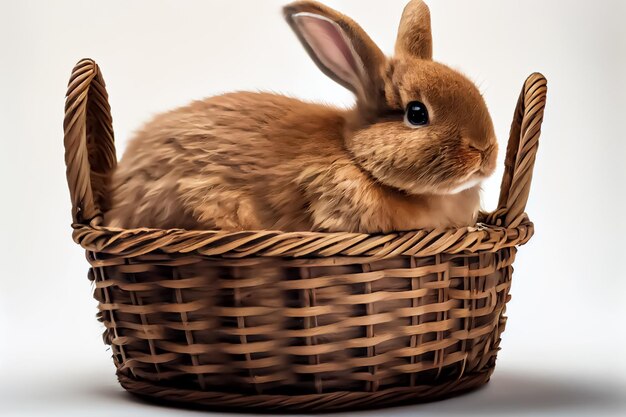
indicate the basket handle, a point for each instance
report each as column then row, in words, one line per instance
column 520, row 153
column 89, row 143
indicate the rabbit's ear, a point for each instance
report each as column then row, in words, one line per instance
column 340, row 47
column 414, row 35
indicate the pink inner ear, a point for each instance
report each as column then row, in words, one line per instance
column 331, row 46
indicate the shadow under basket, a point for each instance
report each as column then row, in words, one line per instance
column 268, row 320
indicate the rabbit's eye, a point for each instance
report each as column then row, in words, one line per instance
column 416, row 114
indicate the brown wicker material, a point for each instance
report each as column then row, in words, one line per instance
column 296, row 321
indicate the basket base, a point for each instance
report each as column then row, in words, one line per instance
column 334, row 401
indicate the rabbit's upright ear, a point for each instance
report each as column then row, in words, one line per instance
column 414, row 35
column 340, row 47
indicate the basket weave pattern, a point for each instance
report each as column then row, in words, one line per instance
column 298, row 321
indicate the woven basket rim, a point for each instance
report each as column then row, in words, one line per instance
column 265, row 243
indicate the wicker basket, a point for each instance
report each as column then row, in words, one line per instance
column 296, row 321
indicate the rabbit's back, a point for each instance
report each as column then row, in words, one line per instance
column 228, row 162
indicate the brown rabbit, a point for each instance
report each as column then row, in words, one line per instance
column 411, row 154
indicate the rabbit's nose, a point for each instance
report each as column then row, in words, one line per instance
column 489, row 156
column 486, row 153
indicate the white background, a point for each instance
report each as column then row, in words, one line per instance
column 564, row 348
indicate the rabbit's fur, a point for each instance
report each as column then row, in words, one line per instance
column 246, row 161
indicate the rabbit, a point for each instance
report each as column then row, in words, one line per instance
column 411, row 153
